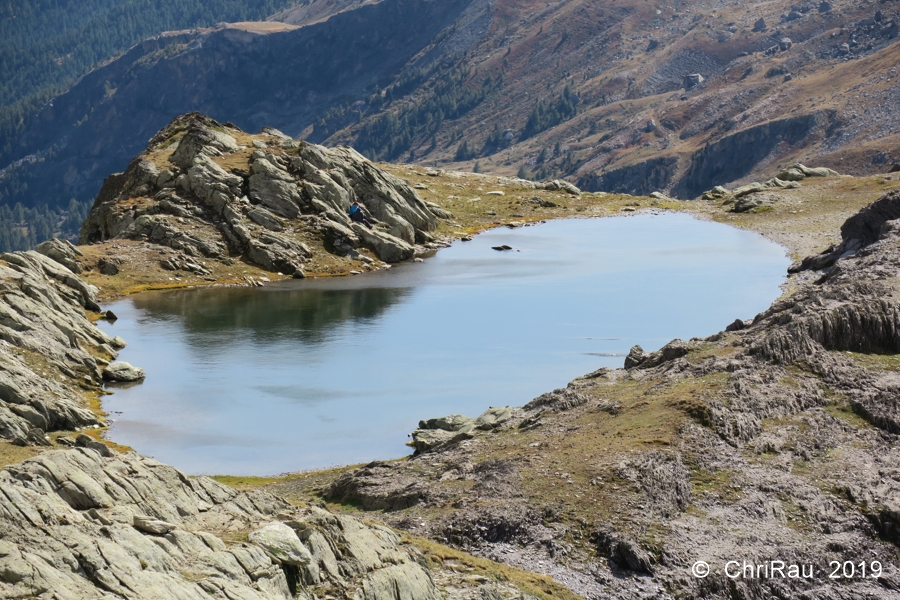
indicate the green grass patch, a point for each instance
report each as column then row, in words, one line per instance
column 845, row 412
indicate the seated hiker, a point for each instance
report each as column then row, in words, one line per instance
column 358, row 215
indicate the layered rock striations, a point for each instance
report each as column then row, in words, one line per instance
column 212, row 192
column 79, row 525
column 52, row 355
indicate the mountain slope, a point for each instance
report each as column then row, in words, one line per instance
column 248, row 73
column 589, row 90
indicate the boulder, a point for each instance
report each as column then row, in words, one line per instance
column 151, row 525
column 62, row 252
column 759, row 25
column 717, row 193
column 737, row 325
column 785, row 43
column 34, row 437
column 282, row 544
column 387, row 247
column 692, row 80
column 791, row 174
column 449, row 423
column 123, row 372
column 108, row 266
column 750, row 202
column 750, row 188
column 86, row 441
column 425, row 440
column 635, row 357
column 798, row 172
column 560, row 184
column 778, row 183
column 818, row 171
column 493, row 417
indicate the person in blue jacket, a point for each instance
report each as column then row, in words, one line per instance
column 358, row 215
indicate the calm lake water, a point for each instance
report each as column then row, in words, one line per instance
column 319, row 372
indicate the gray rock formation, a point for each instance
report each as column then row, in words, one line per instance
column 445, row 431
column 79, row 525
column 192, row 203
column 62, row 252
column 798, row 172
column 862, row 229
column 48, row 348
column 122, row 371
column 692, row 80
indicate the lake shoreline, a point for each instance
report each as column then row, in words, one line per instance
column 501, row 328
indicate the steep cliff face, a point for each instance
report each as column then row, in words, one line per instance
column 737, row 155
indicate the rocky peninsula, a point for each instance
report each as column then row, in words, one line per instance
column 774, row 440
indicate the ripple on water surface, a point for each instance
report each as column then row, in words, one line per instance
column 314, row 373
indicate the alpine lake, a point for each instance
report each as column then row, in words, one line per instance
column 312, row 373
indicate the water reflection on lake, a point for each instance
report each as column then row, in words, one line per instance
column 314, row 373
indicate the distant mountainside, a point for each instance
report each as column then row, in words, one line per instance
column 615, row 95
column 44, row 48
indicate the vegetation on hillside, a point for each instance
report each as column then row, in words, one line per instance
column 22, row 228
column 550, row 114
column 405, row 123
column 45, row 45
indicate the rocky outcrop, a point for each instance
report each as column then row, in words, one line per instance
column 445, row 431
column 798, row 172
column 196, row 190
column 79, row 525
column 50, row 352
column 864, row 228
column 641, row 178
